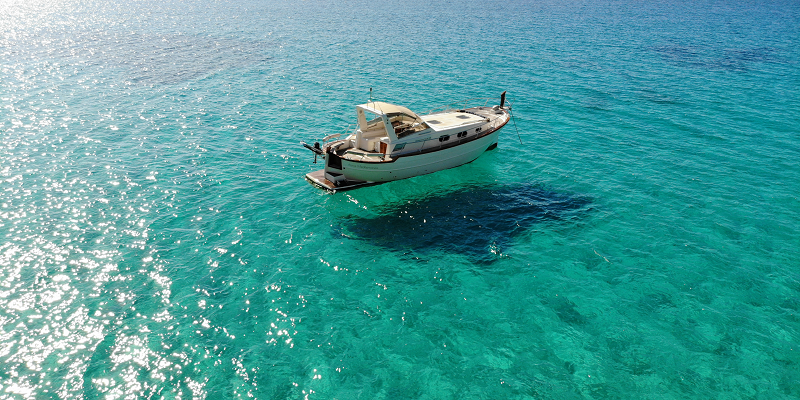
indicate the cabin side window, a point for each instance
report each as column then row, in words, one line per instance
column 374, row 121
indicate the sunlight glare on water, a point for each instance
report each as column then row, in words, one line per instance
column 638, row 239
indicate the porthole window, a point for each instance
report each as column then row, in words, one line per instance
column 444, row 138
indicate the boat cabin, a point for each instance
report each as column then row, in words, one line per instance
column 380, row 124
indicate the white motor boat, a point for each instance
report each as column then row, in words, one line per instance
column 391, row 142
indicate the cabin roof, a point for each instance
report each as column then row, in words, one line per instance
column 381, row 108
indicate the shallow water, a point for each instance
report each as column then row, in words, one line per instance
column 157, row 238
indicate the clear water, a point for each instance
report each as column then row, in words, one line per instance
column 157, row 239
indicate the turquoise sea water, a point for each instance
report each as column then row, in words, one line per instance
column 157, row 239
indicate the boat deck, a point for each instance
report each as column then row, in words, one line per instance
column 317, row 178
column 449, row 120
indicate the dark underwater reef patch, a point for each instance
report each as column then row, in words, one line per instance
column 476, row 221
column 719, row 59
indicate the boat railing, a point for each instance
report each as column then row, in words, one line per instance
column 464, row 104
column 346, row 131
column 475, row 102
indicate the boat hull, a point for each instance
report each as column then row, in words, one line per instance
column 418, row 164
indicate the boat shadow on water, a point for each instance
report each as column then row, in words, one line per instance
column 478, row 222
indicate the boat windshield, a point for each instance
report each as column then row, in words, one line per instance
column 373, row 120
column 406, row 124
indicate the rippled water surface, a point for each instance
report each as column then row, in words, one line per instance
column 639, row 239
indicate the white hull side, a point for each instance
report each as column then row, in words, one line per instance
column 420, row 164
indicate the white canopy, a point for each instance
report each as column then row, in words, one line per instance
column 393, row 121
column 381, row 108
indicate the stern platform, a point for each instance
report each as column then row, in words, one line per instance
column 317, row 178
